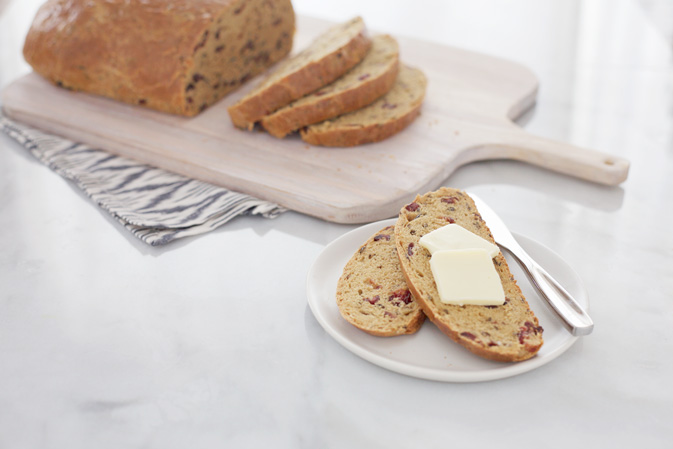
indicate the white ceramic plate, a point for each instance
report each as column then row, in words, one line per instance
column 429, row 354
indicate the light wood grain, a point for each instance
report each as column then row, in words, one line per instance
column 467, row 116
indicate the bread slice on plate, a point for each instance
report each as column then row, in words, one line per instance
column 327, row 58
column 372, row 294
column 507, row 333
column 362, row 85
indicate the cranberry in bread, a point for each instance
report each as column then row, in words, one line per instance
column 174, row 56
column 372, row 294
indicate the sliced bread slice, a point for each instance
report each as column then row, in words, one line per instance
column 327, row 58
column 507, row 333
column 372, row 294
column 385, row 117
column 370, row 79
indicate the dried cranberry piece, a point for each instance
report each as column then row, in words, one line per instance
column 364, row 77
column 410, row 249
column 249, row 45
column 412, row 207
column 403, row 295
column 381, row 236
column 469, row 335
column 389, row 314
column 372, row 300
column 527, row 329
column 449, row 199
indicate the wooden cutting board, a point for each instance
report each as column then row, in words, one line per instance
column 467, row 116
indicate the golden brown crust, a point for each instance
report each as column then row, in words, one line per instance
column 360, row 135
column 314, row 73
column 373, row 77
column 384, row 118
column 177, row 57
column 506, row 333
column 372, row 294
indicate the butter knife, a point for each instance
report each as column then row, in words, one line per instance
column 571, row 313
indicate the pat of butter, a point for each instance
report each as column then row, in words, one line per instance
column 454, row 236
column 467, row 276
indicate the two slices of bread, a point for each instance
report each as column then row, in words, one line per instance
column 507, row 333
column 374, row 76
column 344, row 89
column 329, row 56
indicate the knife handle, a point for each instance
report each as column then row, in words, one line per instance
column 573, row 315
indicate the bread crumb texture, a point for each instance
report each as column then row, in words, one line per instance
column 372, row 293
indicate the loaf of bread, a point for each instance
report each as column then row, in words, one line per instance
column 509, row 332
column 174, row 56
column 370, row 79
column 385, row 117
column 372, row 294
column 327, row 58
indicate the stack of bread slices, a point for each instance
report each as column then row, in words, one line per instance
column 387, row 288
column 346, row 88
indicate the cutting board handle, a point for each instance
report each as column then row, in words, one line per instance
column 592, row 165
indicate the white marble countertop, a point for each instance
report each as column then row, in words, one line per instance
column 209, row 342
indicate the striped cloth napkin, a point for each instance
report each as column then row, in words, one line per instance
column 155, row 205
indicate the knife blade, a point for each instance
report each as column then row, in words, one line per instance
column 572, row 314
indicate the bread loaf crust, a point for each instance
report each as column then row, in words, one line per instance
column 319, row 69
column 373, row 77
column 506, row 333
column 177, row 57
